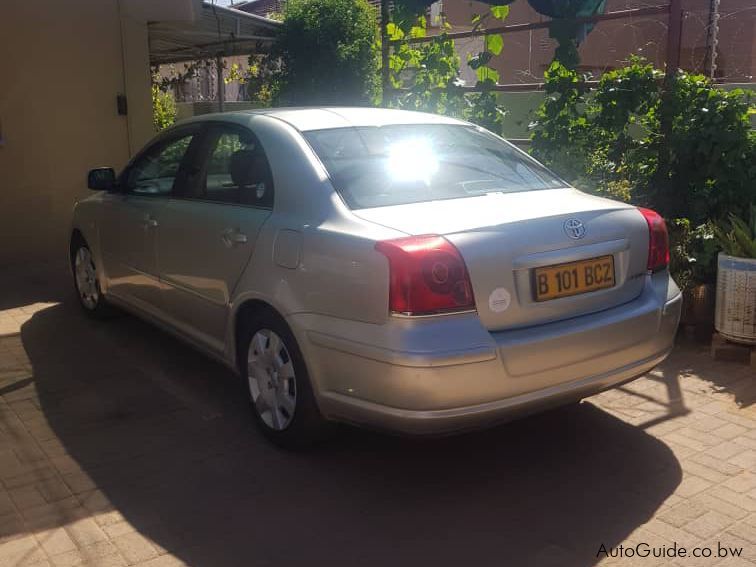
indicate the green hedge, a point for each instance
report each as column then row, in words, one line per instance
column 611, row 141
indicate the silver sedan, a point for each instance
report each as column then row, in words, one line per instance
column 398, row 270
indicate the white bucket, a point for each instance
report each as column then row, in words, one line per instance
column 735, row 316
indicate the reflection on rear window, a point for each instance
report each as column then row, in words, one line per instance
column 393, row 165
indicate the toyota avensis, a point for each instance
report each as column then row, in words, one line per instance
column 399, row 270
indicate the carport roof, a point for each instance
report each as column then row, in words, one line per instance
column 218, row 31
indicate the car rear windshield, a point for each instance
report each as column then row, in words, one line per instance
column 377, row 166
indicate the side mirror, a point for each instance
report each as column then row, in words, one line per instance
column 101, row 179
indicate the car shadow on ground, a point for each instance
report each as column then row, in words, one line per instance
column 165, row 435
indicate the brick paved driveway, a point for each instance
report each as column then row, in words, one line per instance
column 121, row 446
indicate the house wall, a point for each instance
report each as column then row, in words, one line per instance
column 63, row 64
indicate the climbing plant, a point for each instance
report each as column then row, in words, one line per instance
column 429, row 72
column 426, row 75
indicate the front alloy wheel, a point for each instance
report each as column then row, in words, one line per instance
column 86, row 282
column 86, row 278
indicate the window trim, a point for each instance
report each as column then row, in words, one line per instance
column 203, row 152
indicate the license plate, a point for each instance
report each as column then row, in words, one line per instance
column 573, row 278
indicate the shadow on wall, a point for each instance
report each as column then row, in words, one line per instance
column 165, row 435
column 24, row 285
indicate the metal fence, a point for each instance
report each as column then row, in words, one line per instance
column 714, row 37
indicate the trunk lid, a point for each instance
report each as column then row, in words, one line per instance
column 504, row 237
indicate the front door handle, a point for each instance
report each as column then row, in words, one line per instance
column 232, row 237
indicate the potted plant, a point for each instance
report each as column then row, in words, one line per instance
column 735, row 316
column 693, row 265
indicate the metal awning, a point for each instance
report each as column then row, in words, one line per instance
column 218, row 31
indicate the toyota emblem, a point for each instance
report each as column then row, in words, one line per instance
column 574, row 229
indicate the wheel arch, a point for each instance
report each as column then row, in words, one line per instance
column 77, row 238
column 247, row 309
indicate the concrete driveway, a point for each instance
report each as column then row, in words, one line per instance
column 122, row 446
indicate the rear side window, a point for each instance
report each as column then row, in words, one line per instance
column 397, row 164
column 237, row 170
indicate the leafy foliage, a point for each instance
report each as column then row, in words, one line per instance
column 261, row 78
column 736, row 237
column 693, row 253
column 163, row 107
column 327, row 53
column 611, row 141
column 429, row 72
column 560, row 121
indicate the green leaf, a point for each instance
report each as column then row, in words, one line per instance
column 500, row 12
column 494, row 43
column 487, row 74
column 417, row 31
column 394, row 32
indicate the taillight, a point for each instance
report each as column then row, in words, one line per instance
column 427, row 275
column 658, row 240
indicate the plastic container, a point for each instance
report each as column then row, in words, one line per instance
column 735, row 314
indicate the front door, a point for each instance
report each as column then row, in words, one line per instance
column 208, row 234
column 130, row 227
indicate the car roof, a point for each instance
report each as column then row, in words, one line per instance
column 321, row 118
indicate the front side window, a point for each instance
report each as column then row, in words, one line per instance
column 377, row 166
column 237, row 170
column 155, row 172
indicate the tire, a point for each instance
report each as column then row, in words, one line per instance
column 86, row 282
column 277, row 383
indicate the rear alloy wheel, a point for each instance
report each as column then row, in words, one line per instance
column 272, row 380
column 86, row 282
column 280, row 392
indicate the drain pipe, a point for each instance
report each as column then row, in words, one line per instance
column 712, row 38
column 219, row 75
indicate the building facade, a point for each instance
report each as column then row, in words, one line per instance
column 75, row 95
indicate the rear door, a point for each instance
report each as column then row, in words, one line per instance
column 208, row 234
column 129, row 231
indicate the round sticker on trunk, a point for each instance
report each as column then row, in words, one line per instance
column 499, row 300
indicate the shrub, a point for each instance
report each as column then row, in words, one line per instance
column 702, row 168
column 610, row 141
column 163, row 108
column 327, row 53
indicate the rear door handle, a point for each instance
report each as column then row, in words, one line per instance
column 232, row 237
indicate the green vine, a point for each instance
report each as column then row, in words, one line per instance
column 426, row 75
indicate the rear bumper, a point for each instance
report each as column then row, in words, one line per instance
column 419, row 422
column 449, row 374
